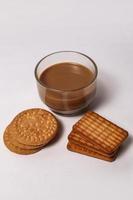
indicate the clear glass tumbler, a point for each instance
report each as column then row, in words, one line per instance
column 71, row 101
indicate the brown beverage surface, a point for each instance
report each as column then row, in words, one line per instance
column 66, row 76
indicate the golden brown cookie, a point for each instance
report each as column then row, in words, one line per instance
column 16, row 149
column 88, row 152
column 35, row 127
column 78, row 140
column 13, row 139
column 77, row 137
column 100, row 131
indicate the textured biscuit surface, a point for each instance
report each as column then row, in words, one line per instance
column 100, row 131
column 35, row 127
column 16, row 149
column 13, row 139
column 30, row 131
column 81, row 139
column 78, row 140
column 88, row 152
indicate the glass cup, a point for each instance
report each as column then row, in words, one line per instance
column 71, row 101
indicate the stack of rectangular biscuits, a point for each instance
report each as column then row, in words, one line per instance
column 95, row 136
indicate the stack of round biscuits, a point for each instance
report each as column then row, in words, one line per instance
column 30, row 131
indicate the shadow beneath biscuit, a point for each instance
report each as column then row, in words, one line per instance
column 126, row 145
column 58, row 135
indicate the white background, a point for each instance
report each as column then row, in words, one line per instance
column 29, row 30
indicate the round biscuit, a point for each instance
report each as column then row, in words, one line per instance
column 13, row 139
column 35, row 127
column 16, row 149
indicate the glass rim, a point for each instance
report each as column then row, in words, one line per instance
column 58, row 90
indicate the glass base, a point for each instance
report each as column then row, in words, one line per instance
column 71, row 112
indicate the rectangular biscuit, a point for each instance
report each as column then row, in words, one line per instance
column 79, row 139
column 75, row 139
column 91, row 142
column 100, row 131
column 82, row 150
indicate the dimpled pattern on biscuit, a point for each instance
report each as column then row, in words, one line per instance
column 35, row 127
column 10, row 130
column 17, row 149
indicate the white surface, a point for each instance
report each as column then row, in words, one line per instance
column 31, row 29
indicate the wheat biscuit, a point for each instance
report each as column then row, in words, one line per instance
column 83, row 143
column 86, row 151
column 16, row 149
column 13, row 139
column 77, row 137
column 35, row 127
column 100, row 131
column 92, row 143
